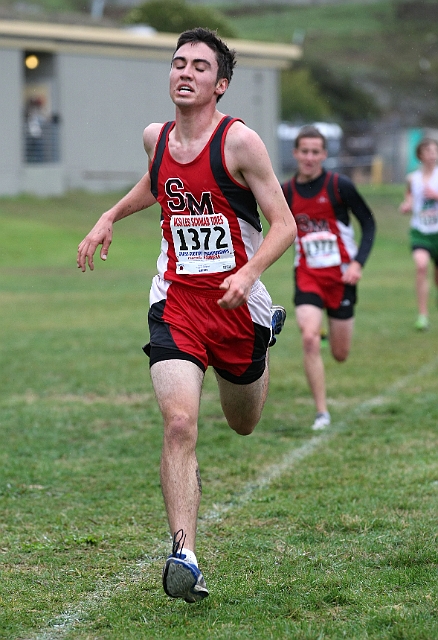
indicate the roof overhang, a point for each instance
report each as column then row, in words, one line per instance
column 84, row 40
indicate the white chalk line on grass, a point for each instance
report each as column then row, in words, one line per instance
column 105, row 589
column 295, row 455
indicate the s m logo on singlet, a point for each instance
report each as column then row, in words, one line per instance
column 180, row 200
column 306, row 224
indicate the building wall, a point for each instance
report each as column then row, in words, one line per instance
column 106, row 103
column 253, row 95
column 11, row 122
column 103, row 103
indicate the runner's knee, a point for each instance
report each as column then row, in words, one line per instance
column 180, row 429
column 311, row 341
column 341, row 353
column 242, row 419
column 243, row 426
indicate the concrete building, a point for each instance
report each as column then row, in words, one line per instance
column 74, row 102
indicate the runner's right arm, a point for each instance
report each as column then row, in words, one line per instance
column 406, row 205
column 139, row 198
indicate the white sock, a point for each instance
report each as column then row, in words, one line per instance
column 190, row 556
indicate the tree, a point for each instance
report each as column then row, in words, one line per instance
column 301, row 97
column 175, row 16
column 347, row 100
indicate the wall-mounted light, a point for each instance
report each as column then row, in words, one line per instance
column 32, row 61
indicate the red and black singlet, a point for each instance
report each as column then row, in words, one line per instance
column 210, row 223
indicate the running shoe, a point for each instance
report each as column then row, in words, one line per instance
column 324, row 339
column 278, row 318
column 182, row 579
column 422, row 323
column 322, row 421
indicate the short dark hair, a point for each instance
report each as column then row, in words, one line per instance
column 310, row 131
column 423, row 144
column 225, row 57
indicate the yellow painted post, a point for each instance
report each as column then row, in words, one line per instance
column 377, row 170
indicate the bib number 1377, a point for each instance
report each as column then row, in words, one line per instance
column 321, row 249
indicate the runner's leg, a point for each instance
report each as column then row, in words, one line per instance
column 436, row 279
column 309, row 319
column 177, row 385
column 242, row 404
column 421, row 260
column 341, row 333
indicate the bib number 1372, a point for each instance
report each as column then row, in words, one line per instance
column 193, row 239
column 202, row 244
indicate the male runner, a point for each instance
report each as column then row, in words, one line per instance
column 422, row 200
column 208, row 307
column 328, row 264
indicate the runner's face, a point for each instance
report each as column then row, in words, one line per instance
column 429, row 155
column 193, row 76
column 310, row 155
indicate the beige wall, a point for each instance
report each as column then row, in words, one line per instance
column 106, row 103
column 11, row 121
column 105, row 96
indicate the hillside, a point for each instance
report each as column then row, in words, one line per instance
column 388, row 48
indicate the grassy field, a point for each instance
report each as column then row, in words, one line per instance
column 301, row 536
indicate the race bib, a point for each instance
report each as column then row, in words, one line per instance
column 202, row 244
column 429, row 216
column 321, row 249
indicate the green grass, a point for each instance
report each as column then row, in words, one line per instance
column 263, row 22
column 301, row 536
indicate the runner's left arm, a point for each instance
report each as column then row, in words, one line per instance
column 354, row 201
column 248, row 161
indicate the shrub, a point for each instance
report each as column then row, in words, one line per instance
column 301, row 98
column 347, row 100
column 175, row 16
